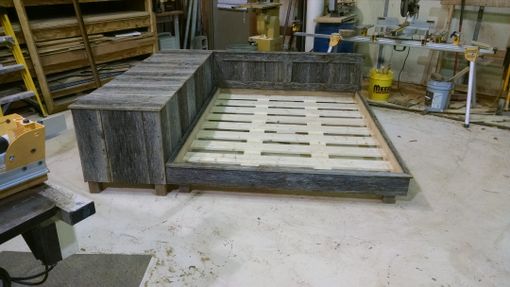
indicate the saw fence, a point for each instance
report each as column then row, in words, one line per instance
column 268, row 122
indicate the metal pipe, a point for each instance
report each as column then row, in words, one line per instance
column 393, row 42
column 479, row 20
column 194, row 21
column 471, row 87
column 313, row 10
column 461, row 21
column 188, row 21
column 380, row 59
column 331, row 5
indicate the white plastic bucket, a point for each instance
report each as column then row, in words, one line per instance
column 438, row 95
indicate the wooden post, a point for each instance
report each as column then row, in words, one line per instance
column 95, row 187
column 86, row 43
column 34, row 54
column 153, row 24
column 184, row 189
column 389, row 199
column 161, row 189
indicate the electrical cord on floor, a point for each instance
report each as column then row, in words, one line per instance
column 7, row 280
column 402, row 69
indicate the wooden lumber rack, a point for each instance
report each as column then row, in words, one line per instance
column 277, row 122
column 54, row 45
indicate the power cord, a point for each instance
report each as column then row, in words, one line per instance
column 402, row 69
column 7, row 280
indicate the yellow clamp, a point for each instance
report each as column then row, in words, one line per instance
column 471, row 53
column 455, row 38
column 296, row 27
column 335, row 39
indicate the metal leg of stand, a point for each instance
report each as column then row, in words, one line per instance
column 177, row 32
column 474, row 97
column 471, row 89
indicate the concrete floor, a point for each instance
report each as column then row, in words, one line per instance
column 453, row 230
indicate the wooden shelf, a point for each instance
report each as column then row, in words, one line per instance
column 104, row 52
column 55, row 44
column 65, row 27
column 9, row 3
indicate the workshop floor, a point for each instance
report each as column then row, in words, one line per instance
column 454, row 229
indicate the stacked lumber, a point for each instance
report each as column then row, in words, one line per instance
column 68, row 53
column 54, row 49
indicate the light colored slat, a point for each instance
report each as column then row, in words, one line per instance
column 237, row 131
column 339, row 99
column 286, row 149
column 283, row 119
column 286, row 128
column 269, row 160
column 341, row 140
column 246, row 110
column 339, row 106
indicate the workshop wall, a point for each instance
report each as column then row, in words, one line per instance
column 495, row 30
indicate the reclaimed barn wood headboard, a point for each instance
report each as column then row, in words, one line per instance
column 289, row 71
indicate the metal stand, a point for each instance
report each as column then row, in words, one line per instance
column 472, row 66
column 471, row 54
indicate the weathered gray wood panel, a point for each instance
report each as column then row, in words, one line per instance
column 280, row 179
column 125, row 142
column 183, row 110
column 153, row 136
column 146, row 111
column 149, row 85
column 134, row 144
column 91, row 145
column 290, row 71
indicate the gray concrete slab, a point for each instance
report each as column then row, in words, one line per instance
column 80, row 270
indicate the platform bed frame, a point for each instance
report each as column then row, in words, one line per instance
column 266, row 122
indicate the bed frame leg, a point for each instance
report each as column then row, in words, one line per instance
column 184, row 188
column 161, row 189
column 95, row 187
column 389, row 199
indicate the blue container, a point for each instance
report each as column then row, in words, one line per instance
column 438, row 95
column 321, row 45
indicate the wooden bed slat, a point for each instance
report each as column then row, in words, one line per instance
column 247, row 129
column 340, row 99
column 282, row 119
column 346, row 151
column 289, row 103
column 279, row 128
column 286, row 138
column 289, row 161
column 284, row 112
